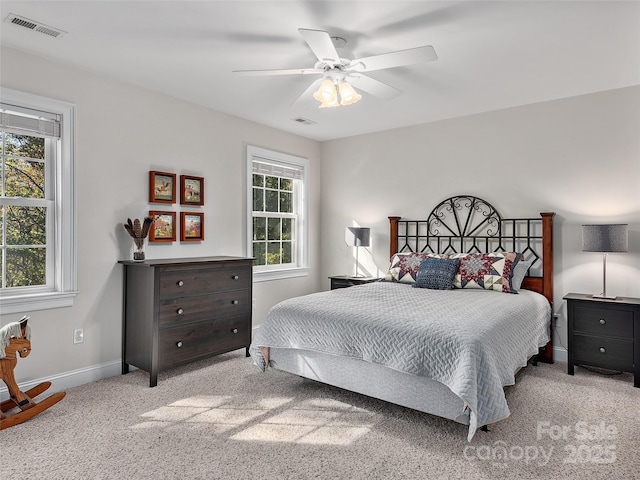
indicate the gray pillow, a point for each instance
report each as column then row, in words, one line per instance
column 519, row 272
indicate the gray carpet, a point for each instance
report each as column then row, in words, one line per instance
column 223, row 419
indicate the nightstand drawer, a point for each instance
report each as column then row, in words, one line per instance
column 344, row 281
column 600, row 321
column 606, row 352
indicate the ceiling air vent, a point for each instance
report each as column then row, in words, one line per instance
column 304, row 121
column 33, row 25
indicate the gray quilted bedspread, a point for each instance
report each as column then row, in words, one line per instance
column 472, row 341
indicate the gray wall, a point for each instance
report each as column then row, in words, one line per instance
column 578, row 157
column 122, row 133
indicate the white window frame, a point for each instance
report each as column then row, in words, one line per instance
column 277, row 272
column 63, row 288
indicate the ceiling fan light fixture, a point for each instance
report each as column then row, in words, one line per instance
column 348, row 95
column 330, row 103
column 327, row 92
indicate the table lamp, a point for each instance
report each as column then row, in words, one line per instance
column 605, row 238
column 357, row 237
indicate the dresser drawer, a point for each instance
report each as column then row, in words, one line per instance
column 192, row 281
column 188, row 342
column 602, row 351
column 177, row 310
column 601, row 321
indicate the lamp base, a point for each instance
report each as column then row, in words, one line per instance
column 604, row 297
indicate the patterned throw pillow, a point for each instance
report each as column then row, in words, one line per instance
column 437, row 273
column 404, row 266
column 491, row 271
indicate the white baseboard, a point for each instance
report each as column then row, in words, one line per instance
column 560, row 355
column 74, row 378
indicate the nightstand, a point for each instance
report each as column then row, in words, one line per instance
column 344, row 281
column 604, row 333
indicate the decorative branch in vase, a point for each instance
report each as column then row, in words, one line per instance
column 138, row 231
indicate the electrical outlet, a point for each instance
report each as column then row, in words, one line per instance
column 78, row 335
column 555, row 319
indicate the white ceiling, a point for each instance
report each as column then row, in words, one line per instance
column 491, row 55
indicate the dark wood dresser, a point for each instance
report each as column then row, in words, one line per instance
column 604, row 333
column 184, row 309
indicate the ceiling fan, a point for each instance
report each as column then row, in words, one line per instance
column 338, row 74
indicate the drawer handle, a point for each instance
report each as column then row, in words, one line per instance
column 234, row 330
column 603, row 350
column 179, row 343
column 235, row 302
column 180, row 311
column 235, row 277
column 602, row 321
column 180, row 283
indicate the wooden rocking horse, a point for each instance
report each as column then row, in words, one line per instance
column 15, row 339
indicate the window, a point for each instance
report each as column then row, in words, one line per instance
column 277, row 224
column 37, row 230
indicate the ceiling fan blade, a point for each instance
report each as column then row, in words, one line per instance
column 394, row 59
column 373, row 86
column 292, row 71
column 321, row 45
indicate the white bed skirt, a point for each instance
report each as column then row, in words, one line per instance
column 377, row 381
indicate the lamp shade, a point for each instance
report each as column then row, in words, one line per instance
column 357, row 236
column 605, row 238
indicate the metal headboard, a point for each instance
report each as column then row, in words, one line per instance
column 468, row 224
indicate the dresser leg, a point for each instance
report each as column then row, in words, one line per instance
column 153, row 377
column 570, row 368
column 246, row 353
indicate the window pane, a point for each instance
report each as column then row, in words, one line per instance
column 285, row 202
column 286, row 252
column 258, row 200
column 24, row 178
column 287, row 229
column 286, row 184
column 24, row 146
column 258, row 180
column 273, row 253
column 259, row 228
column 260, row 253
column 26, row 225
column 25, row 267
column 271, row 200
column 272, row 182
column 273, row 229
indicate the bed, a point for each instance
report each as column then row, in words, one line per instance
column 440, row 350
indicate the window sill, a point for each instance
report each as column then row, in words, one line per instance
column 38, row 301
column 266, row 275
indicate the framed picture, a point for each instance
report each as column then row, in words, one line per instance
column 191, row 226
column 162, row 187
column 191, row 190
column 164, row 226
